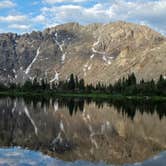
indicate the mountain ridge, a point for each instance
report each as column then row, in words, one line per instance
column 95, row 52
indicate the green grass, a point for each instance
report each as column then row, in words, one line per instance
column 79, row 95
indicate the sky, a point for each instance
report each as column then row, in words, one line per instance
column 21, row 16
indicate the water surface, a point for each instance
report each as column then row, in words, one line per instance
column 21, row 157
column 71, row 130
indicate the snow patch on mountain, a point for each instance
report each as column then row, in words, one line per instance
column 106, row 59
column 92, row 56
column 94, row 45
column 63, row 57
column 104, row 55
column 87, row 67
column 33, row 61
column 56, row 77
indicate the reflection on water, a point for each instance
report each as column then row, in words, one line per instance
column 21, row 157
column 78, row 129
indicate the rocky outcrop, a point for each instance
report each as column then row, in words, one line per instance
column 96, row 52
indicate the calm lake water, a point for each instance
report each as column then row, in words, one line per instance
column 74, row 131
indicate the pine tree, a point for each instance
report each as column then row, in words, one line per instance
column 71, row 84
column 27, row 86
column 131, row 80
column 76, row 83
column 3, row 87
column 35, row 84
column 161, row 86
column 43, row 84
column 81, row 85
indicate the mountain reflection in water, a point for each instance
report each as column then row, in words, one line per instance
column 77, row 129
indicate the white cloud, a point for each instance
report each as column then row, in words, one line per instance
column 75, row 13
column 6, row 4
column 60, row 1
column 152, row 13
column 148, row 12
column 19, row 27
column 13, row 18
column 39, row 19
column 139, row 10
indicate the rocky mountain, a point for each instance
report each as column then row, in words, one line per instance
column 95, row 52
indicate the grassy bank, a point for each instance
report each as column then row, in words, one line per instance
column 47, row 94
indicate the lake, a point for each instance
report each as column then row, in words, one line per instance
column 75, row 131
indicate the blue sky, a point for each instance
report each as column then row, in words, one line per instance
column 22, row 16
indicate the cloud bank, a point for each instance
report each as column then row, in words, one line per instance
column 52, row 12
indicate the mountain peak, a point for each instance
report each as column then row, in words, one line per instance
column 95, row 52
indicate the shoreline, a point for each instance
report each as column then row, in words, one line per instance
column 48, row 94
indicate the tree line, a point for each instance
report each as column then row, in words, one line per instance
column 124, row 86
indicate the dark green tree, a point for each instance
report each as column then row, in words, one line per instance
column 71, row 83
column 81, row 85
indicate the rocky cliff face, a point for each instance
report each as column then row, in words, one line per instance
column 96, row 52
